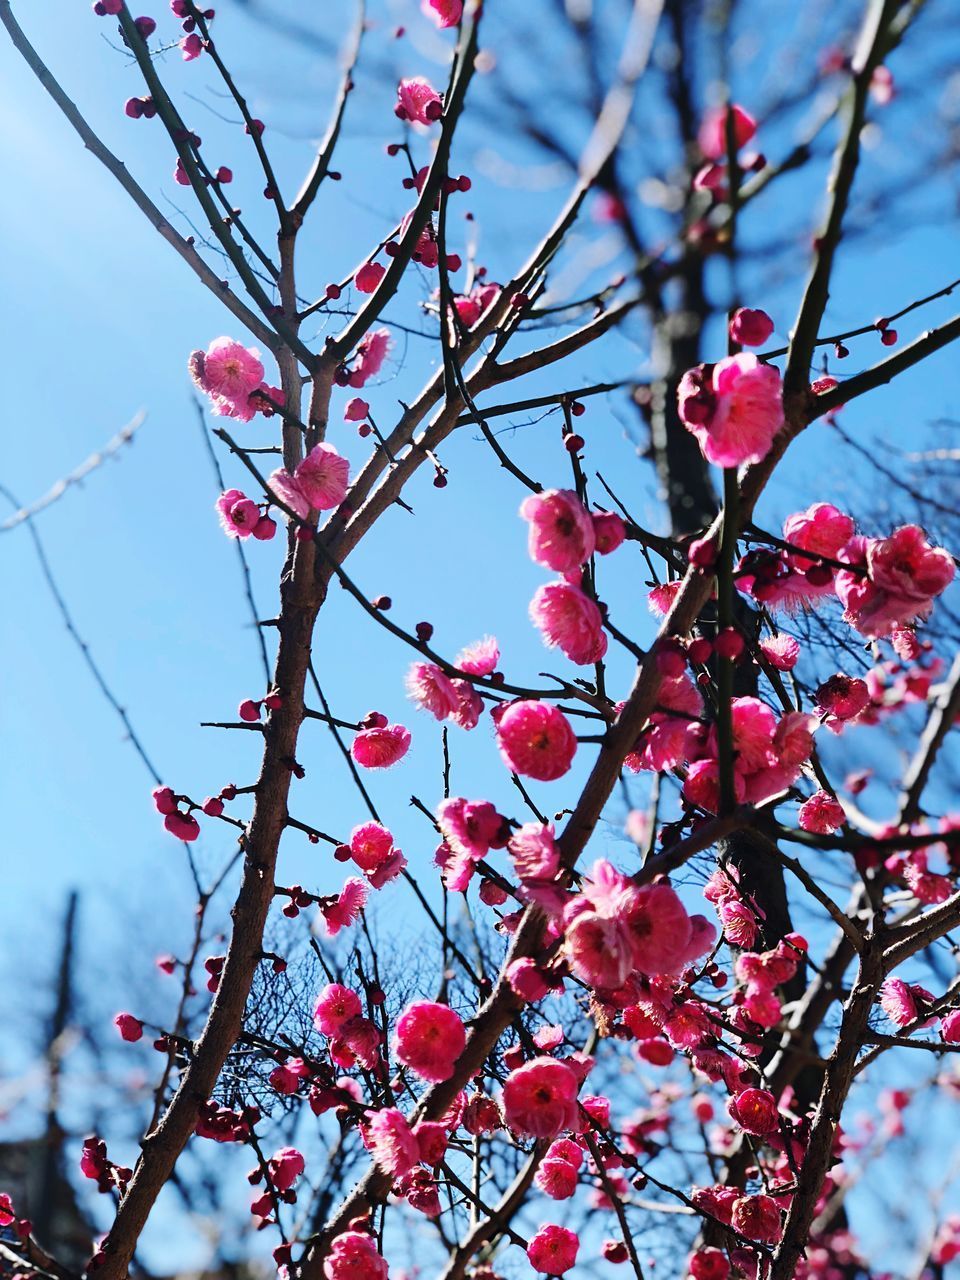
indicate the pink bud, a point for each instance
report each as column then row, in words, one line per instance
column 265, row 528
column 164, row 799
column 729, row 644
column 133, row 107
column 249, row 710
column 146, row 27
column 369, row 276
column 356, row 410
column 212, row 806
column 130, row 1028
column 273, row 701
column 224, row 174
column 750, row 328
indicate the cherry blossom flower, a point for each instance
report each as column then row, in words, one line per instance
column 371, row 353
column 712, row 137
column 609, row 531
column 822, row 813
column 570, row 620
column 336, row 1005
column 708, row 1263
column 755, row 1111
column 380, row 747
column 781, row 651
column 553, row 1250
column 370, row 846
column 429, row 1038
column 445, row 13
column 660, row 599
column 540, row 1098
column 238, row 513
column 734, row 411
column 319, row 481
column 536, row 740
column 898, row 1001
column 348, row 904
column 353, row 1256
column 392, row 1142
column 561, row 535
column 479, row 658
column 432, row 690
column 284, row 1167
column 369, row 276
column 757, row 1218
column 557, row 1178
column 903, row 575
column 418, row 101
column 471, row 827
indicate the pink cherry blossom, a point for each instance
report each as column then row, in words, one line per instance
column 570, row 620
column 284, row 1167
column 709, row 1263
column 660, row 599
column 903, row 575
column 553, row 1250
column 418, row 101
column 534, row 851
column 392, row 1142
column 536, row 740
column 712, row 137
column 429, row 1038
column 370, row 846
column 479, row 658
column 557, row 1178
column 371, row 353
column 781, row 651
column 323, row 476
column 822, row 813
column 609, row 531
column 335, row 1006
column 348, row 904
column 735, row 411
column 369, row 276
column 380, row 748
column 445, row 13
column 353, row 1256
column 432, row 690
column 757, row 1218
column 898, row 1002
column 238, row 513
column 561, row 535
column 755, row 1111
column 950, row 1027
column 470, row 827
column 540, row 1098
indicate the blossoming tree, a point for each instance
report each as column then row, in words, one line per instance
column 485, row 1098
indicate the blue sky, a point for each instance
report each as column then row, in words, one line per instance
column 99, row 318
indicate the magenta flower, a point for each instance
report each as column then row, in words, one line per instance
column 369, row 276
column 239, row 514
column 569, row 620
column 284, row 1167
column 418, row 101
column 734, row 411
column 540, row 1098
column 335, row 1006
column 391, row 1141
column 755, row 1111
column 561, row 534
column 903, row 575
column 822, row 813
column 445, row 13
column 353, row 1256
column 431, row 690
column 429, row 1038
column 380, row 748
column 750, row 328
column 130, row 1028
column 479, row 658
column 370, row 845
column 345, row 908
column 553, row 1250
column 371, row 353
column 536, row 740
column 712, row 137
